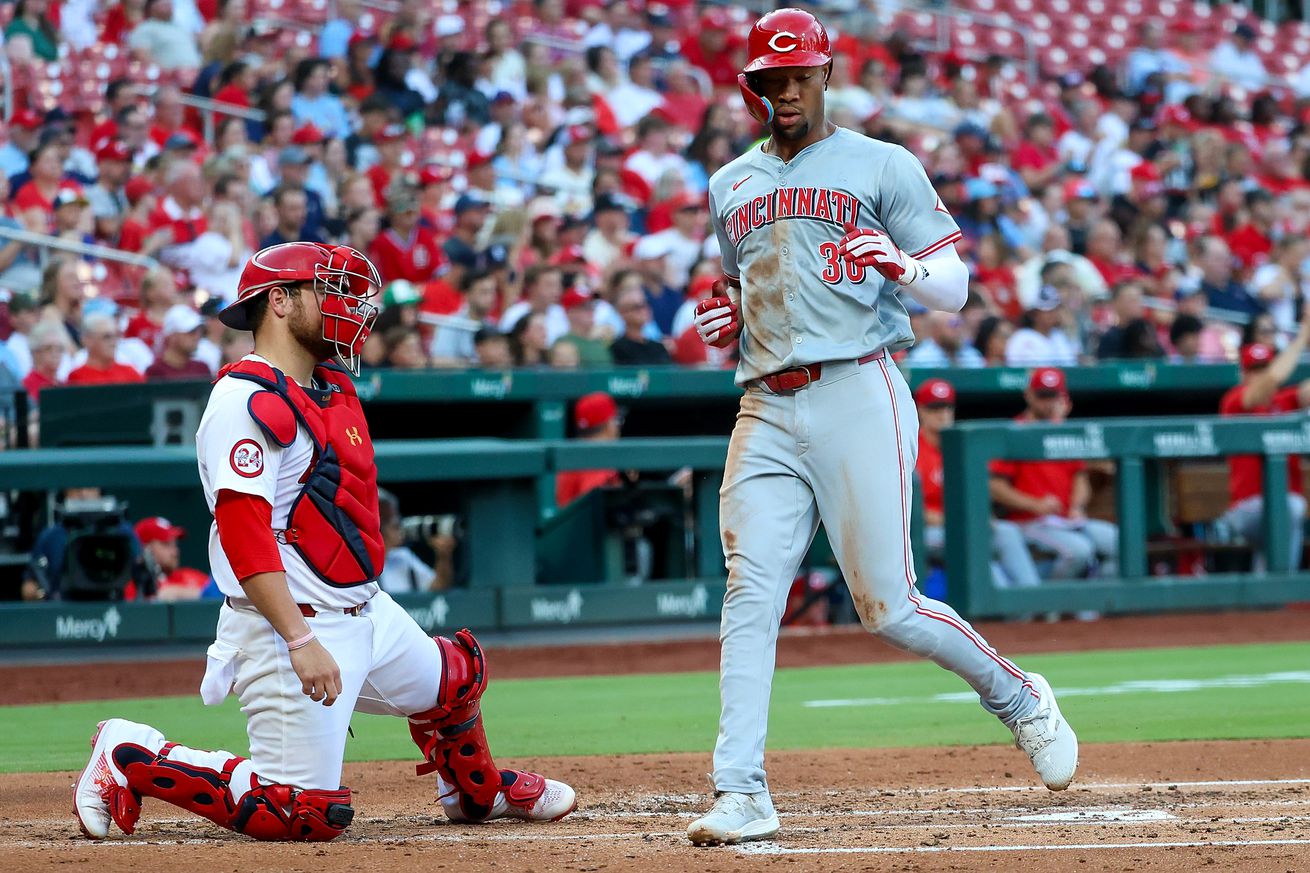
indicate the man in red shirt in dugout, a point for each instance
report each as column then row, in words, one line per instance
column 1012, row 563
column 1048, row 499
column 1263, row 371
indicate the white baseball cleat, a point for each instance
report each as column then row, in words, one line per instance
column 100, row 794
column 556, row 802
column 735, row 817
column 1047, row 738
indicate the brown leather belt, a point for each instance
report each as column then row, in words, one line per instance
column 305, row 609
column 796, row 378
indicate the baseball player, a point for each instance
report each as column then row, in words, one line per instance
column 1012, row 563
column 822, row 231
column 305, row 636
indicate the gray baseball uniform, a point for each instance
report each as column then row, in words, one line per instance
column 841, row 450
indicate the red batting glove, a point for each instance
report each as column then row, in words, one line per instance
column 873, row 248
column 716, row 319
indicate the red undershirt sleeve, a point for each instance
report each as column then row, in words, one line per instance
column 245, row 529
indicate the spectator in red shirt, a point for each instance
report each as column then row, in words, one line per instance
column 1106, row 252
column 596, row 418
column 406, row 249
column 33, row 203
column 711, row 47
column 390, row 142
column 182, row 211
column 1048, row 499
column 158, row 296
column 1252, row 242
column 1012, row 564
column 100, row 339
column 49, row 344
column 1036, row 158
column 159, row 538
column 1263, row 371
column 179, row 340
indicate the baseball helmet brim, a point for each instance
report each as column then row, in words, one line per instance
column 788, row 59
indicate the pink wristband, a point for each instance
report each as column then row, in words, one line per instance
column 292, row 645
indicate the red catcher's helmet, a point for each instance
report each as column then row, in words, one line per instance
column 787, row 38
column 783, row 38
column 342, row 278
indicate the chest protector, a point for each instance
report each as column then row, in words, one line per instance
column 333, row 523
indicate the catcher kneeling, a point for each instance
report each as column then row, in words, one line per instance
column 305, row 636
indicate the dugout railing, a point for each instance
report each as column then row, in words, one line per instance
column 659, row 401
column 1138, row 449
column 500, row 488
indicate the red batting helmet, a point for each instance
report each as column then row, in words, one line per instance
column 782, row 38
column 343, row 280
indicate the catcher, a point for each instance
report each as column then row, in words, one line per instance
column 305, row 635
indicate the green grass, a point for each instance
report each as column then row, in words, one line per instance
column 678, row 712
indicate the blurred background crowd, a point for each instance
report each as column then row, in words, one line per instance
column 530, row 177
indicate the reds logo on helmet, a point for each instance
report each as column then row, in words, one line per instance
column 787, row 38
column 783, row 38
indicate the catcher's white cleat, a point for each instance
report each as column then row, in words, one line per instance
column 556, row 801
column 100, row 794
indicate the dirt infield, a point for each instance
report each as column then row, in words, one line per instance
column 1231, row 806
column 1235, row 806
column 799, row 647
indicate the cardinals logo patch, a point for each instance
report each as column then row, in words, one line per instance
column 247, row 459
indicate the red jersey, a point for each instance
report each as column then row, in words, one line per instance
column 186, row 224
column 417, row 259
column 132, row 235
column 1250, row 245
column 1030, row 156
column 722, row 68
column 572, row 484
column 114, row 373
column 931, row 475
column 1038, row 479
column 1245, row 472
column 35, row 381
column 441, row 299
column 141, row 326
column 380, row 176
column 29, row 197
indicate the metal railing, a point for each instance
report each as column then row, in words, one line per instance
column 44, row 242
column 209, row 108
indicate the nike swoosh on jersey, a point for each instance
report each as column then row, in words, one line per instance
column 742, row 182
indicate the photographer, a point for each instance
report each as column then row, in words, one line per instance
column 403, row 572
column 90, row 553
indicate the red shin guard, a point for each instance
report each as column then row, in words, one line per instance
column 454, row 743
column 265, row 812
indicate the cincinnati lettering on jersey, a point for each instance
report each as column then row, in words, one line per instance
column 819, row 204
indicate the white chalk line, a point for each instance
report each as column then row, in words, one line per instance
column 464, row 836
column 773, row 849
column 762, row 848
column 1161, row 818
column 1112, row 786
column 940, row 813
column 1134, row 686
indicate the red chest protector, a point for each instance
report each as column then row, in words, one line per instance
column 334, row 522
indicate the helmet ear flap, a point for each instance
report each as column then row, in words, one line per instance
column 759, row 107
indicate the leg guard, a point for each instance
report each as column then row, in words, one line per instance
column 265, row 812
column 452, row 740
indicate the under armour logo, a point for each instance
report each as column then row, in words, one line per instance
column 353, row 433
column 779, row 47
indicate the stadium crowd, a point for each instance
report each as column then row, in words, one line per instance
column 530, row 179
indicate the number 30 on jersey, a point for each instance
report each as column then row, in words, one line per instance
column 833, row 262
